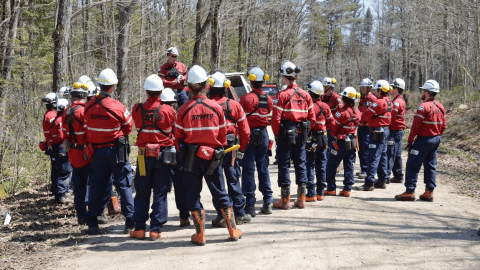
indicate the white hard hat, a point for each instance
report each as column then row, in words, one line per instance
column 382, row 85
column 153, row 83
column 350, row 93
column 197, row 74
column 283, row 87
column 399, row 83
column 432, row 86
column 256, row 74
column 327, row 81
column 62, row 104
column 94, row 92
column 219, row 80
column 168, row 95
column 315, row 87
column 289, row 69
column 366, row 83
column 80, row 87
column 88, row 82
column 107, row 77
column 64, row 91
column 50, row 98
column 173, row 50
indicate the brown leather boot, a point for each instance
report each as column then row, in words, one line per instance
column 284, row 202
column 300, row 202
column 235, row 233
column 114, row 207
column 199, row 222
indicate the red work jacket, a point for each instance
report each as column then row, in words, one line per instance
column 73, row 117
column 47, row 124
column 256, row 117
column 323, row 116
column 170, row 82
column 365, row 102
column 429, row 120
column 346, row 121
column 333, row 101
column 377, row 113
column 398, row 113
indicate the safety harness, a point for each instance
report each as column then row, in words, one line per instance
column 227, row 110
column 199, row 101
column 99, row 101
column 150, row 119
column 70, row 118
column 321, row 111
column 294, row 93
column 262, row 103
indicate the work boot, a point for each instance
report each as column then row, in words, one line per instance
column 239, row 220
column 64, row 200
column 184, row 222
column 129, row 225
column 102, row 219
column 139, row 234
column 364, row 188
column 427, row 196
column 199, row 223
column 250, row 209
column 266, row 208
column 330, row 193
column 311, row 198
column 114, row 207
column 320, row 197
column 81, row 221
column 300, row 202
column 284, row 202
column 396, row 180
column 154, row 235
column 345, row 193
column 362, row 175
column 219, row 222
column 94, row 230
column 380, row 184
column 235, row 233
column 406, row 197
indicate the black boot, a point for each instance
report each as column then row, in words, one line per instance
column 267, row 208
column 129, row 225
column 250, row 209
column 219, row 222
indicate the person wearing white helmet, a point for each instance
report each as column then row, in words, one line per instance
column 48, row 118
column 378, row 115
column 317, row 148
column 92, row 89
column 333, row 100
column 397, row 130
column 64, row 92
column 154, row 124
column 429, row 123
column 257, row 106
column 108, row 124
column 174, row 74
column 200, row 137
column 346, row 122
column 363, row 132
column 292, row 119
column 236, row 124
column 60, row 163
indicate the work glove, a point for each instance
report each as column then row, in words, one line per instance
column 180, row 78
column 239, row 155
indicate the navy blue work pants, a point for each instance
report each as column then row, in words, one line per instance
column 233, row 184
column 363, row 134
column 394, row 153
column 348, row 158
column 61, row 171
column 423, row 151
column 377, row 159
column 79, row 181
column 316, row 162
column 285, row 152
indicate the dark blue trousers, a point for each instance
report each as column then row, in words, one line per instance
column 256, row 155
column 193, row 182
column 423, row 151
column 348, row 158
column 180, row 193
column 363, row 134
column 284, row 152
column 377, row 159
column 106, row 171
column 316, row 161
column 159, row 179
column 182, row 97
column 233, row 184
column 61, row 170
column 79, row 181
column 394, row 153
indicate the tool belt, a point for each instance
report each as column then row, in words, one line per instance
column 320, row 137
column 289, row 130
column 123, row 149
column 88, row 151
column 350, row 142
column 215, row 156
column 256, row 136
column 378, row 134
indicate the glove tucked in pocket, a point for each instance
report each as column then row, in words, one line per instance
column 205, row 152
column 88, row 151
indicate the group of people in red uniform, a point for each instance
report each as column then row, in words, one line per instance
column 316, row 128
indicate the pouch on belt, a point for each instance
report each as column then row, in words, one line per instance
column 217, row 159
column 190, row 158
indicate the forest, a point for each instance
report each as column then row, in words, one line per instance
column 47, row 44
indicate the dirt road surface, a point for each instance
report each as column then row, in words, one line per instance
column 370, row 230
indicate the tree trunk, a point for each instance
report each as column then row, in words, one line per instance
column 169, row 22
column 200, row 29
column 125, row 11
column 214, row 57
column 60, row 36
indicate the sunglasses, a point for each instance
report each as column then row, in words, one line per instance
column 174, row 56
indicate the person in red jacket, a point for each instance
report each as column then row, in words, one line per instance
column 292, row 119
column 200, row 137
column 378, row 115
column 346, row 122
column 428, row 126
column 154, row 123
column 257, row 106
column 333, row 100
column 52, row 129
column 236, row 124
column 363, row 132
column 397, row 129
column 174, row 74
column 317, row 148
column 107, row 126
